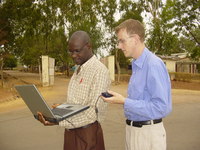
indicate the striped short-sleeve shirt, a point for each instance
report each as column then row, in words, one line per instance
column 84, row 88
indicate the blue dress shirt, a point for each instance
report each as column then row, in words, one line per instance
column 149, row 89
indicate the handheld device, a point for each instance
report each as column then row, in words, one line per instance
column 106, row 94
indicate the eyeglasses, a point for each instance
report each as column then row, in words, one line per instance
column 123, row 41
column 77, row 51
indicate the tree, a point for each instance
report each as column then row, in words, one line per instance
column 127, row 9
column 188, row 25
column 6, row 36
column 37, row 26
column 10, row 62
column 3, row 55
column 83, row 15
column 189, row 45
column 161, row 37
column 16, row 17
column 58, row 46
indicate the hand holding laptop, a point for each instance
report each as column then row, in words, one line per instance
column 43, row 121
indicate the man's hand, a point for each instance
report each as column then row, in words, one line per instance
column 55, row 105
column 43, row 121
column 115, row 99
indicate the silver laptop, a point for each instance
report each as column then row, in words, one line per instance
column 36, row 103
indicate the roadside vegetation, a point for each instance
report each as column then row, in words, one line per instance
column 31, row 28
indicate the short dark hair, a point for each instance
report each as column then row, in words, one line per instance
column 132, row 27
column 82, row 36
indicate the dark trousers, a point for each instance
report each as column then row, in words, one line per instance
column 89, row 138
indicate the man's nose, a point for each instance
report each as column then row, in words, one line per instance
column 74, row 55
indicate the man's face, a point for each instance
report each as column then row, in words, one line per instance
column 79, row 52
column 126, row 43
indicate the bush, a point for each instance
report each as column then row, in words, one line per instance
column 188, row 77
column 175, row 76
column 10, row 62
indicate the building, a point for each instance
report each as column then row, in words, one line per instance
column 180, row 63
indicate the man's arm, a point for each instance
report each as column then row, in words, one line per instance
column 159, row 104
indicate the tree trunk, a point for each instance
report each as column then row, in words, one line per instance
column 68, row 68
column 118, row 66
column 2, row 78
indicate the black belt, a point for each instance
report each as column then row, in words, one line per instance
column 141, row 123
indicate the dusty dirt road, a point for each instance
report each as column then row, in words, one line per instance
column 20, row 131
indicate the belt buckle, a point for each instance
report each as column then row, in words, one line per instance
column 139, row 125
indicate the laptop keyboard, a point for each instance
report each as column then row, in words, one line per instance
column 60, row 111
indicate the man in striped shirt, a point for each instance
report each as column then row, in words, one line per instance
column 90, row 79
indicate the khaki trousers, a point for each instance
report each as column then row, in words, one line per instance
column 148, row 137
column 90, row 138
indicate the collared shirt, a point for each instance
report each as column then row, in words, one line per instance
column 84, row 88
column 149, row 89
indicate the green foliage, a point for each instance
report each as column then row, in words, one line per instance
column 83, row 16
column 172, row 24
column 187, row 16
column 10, row 62
column 162, row 38
column 128, row 9
column 107, row 13
column 58, row 47
column 29, row 29
column 188, row 44
column 43, row 27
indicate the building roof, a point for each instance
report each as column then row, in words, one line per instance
column 175, row 57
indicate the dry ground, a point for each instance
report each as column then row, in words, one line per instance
column 8, row 93
column 182, row 124
column 9, row 81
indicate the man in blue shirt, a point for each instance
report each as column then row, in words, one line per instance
column 149, row 91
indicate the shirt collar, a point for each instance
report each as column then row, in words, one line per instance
column 87, row 63
column 140, row 61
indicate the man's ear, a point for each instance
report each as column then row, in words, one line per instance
column 137, row 37
column 89, row 45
